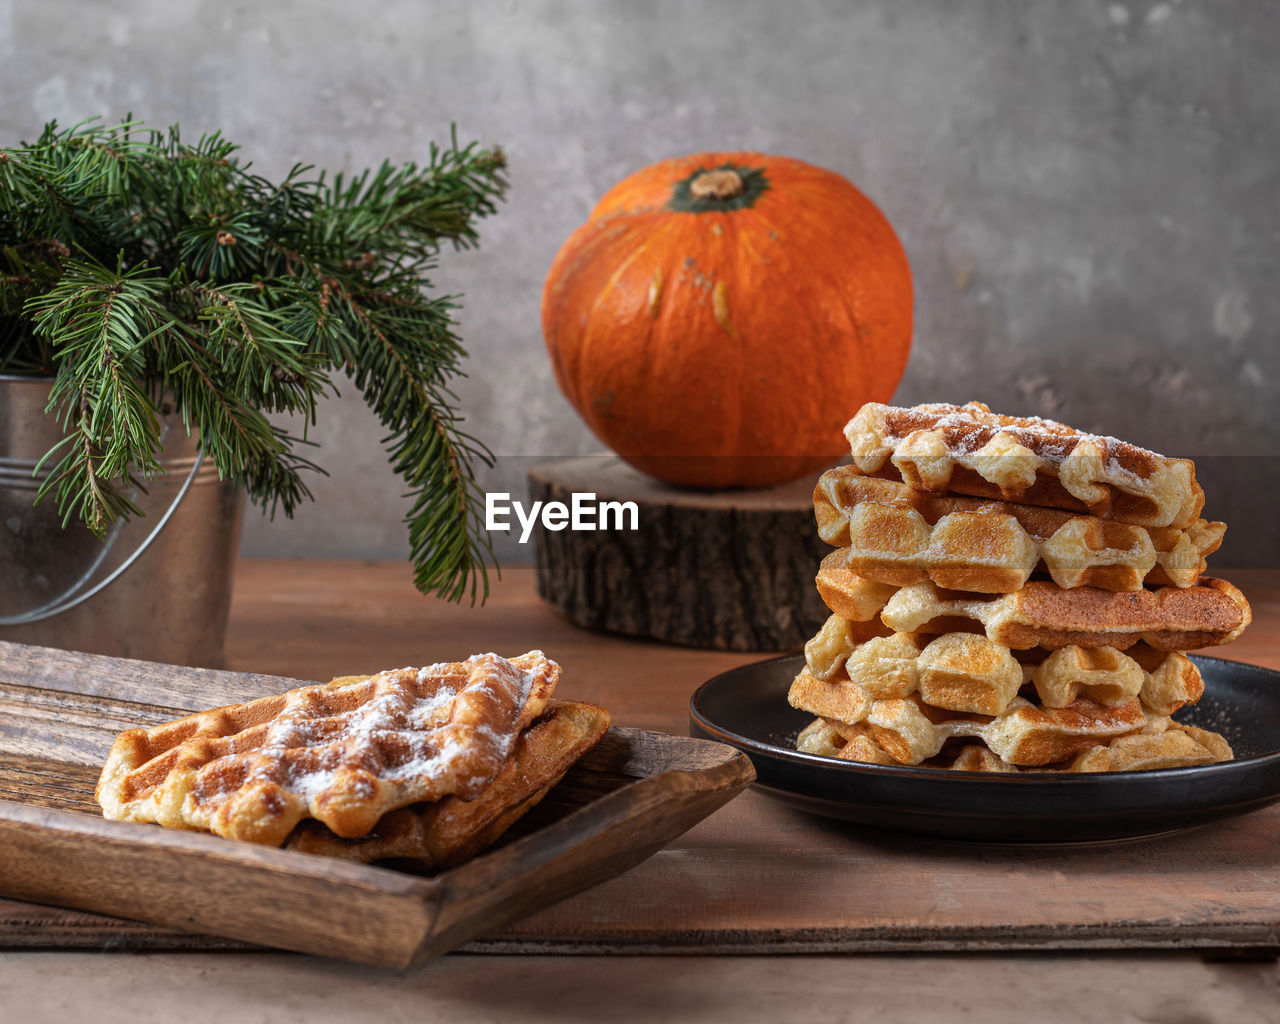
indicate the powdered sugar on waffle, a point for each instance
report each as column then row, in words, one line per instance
column 969, row 428
column 416, row 721
column 1101, row 475
column 344, row 753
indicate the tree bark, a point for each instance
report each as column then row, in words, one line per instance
column 732, row 570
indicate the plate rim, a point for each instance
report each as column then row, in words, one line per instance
column 753, row 747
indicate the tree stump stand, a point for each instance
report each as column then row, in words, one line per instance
column 731, row 570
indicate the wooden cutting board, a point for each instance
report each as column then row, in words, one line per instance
column 60, row 712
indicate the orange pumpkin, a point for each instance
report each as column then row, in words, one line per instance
column 719, row 317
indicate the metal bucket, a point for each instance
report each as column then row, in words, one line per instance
column 172, row 587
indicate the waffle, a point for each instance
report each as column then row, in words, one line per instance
column 1174, row 746
column 974, row 757
column 839, row 638
column 966, row 672
column 1164, row 682
column 959, row 671
column 911, row 731
column 451, row 830
column 830, row 738
column 1178, row 746
column 1042, row 614
column 849, row 595
column 345, row 753
column 901, row 536
column 971, row 450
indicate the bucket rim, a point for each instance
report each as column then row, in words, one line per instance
column 25, row 378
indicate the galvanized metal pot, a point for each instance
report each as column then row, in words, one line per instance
column 170, row 601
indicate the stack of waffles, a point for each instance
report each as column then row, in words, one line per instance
column 1010, row 595
column 424, row 764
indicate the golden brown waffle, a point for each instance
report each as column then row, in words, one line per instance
column 1163, row 681
column 899, row 535
column 1177, row 746
column 1170, row 745
column 911, row 731
column 449, row 831
column 345, row 753
column 971, row 450
column 838, row 639
column 959, row 671
column 829, row 738
column 974, row 757
column 1042, row 614
column 849, row 595
column 969, row 673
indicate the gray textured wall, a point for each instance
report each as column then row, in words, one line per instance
column 1087, row 190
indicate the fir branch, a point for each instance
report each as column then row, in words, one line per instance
column 263, row 361
column 408, row 211
column 243, row 444
column 239, row 297
column 401, row 376
column 97, row 322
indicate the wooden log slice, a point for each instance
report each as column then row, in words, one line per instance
column 731, row 570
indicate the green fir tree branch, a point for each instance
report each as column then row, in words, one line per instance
column 135, row 265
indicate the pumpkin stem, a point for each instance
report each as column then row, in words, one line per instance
column 719, row 184
column 721, row 189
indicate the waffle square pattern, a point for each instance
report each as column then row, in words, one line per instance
column 1010, row 594
column 344, row 753
column 901, row 536
column 968, row 449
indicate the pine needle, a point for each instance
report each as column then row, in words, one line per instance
column 134, row 265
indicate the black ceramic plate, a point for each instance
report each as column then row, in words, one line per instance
column 747, row 708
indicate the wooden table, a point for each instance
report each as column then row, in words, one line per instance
column 755, row 878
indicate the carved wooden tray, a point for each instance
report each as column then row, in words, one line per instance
column 60, row 712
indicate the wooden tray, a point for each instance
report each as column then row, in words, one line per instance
column 60, row 711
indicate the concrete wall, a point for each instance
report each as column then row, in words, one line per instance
column 1087, row 190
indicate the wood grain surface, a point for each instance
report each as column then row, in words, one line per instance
column 626, row 798
column 756, row 876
